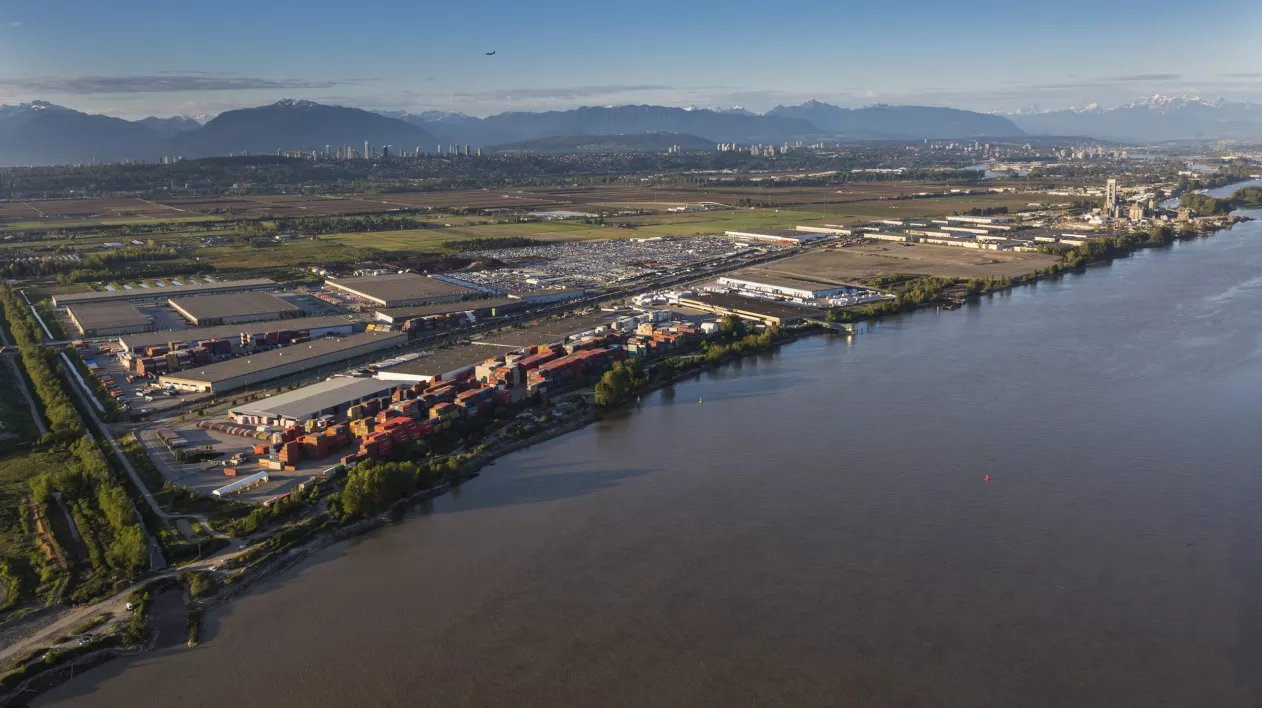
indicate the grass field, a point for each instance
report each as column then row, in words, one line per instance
column 15, row 472
column 804, row 206
column 852, row 264
column 64, row 213
column 16, row 425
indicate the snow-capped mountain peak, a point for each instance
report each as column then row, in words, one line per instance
column 295, row 103
column 1030, row 110
column 29, row 107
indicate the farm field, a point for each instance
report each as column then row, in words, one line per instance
column 852, row 264
column 67, row 213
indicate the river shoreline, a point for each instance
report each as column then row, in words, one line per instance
column 321, row 538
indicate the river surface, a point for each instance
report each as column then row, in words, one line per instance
column 819, row 531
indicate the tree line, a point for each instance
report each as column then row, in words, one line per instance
column 40, row 363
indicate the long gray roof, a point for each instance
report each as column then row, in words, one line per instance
column 234, row 330
column 315, row 397
column 284, row 356
column 160, row 293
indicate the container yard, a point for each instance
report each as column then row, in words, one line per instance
column 304, row 435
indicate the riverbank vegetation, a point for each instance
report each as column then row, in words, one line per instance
column 1205, row 205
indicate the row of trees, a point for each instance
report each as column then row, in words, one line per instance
column 108, row 524
column 914, row 293
column 491, row 243
column 625, row 378
column 376, row 484
column 40, row 363
column 1206, row 205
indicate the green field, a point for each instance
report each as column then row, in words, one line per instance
column 334, row 248
column 78, row 223
column 18, row 544
column 16, row 426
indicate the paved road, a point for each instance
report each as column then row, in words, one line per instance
column 48, row 631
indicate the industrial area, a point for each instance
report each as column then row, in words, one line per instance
column 294, row 383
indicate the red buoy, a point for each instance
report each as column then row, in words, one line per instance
column 987, row 478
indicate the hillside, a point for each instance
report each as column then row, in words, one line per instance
column 40, row 133
column 298, row 125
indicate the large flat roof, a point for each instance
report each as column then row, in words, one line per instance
column 284, row 356
column 107, row 315
column 234, row 330
column 443, row 308
column 401, row 286
column 445, row 360
column 316, row 397
column 204, row 307
column 548, row 332
column 123, row 295
column 748, row 304
column 779, row 281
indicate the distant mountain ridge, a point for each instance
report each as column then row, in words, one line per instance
column 298, row 125
column 639, row 142
column 171, row 126
column 900, row 122
column 1152, row 119
column 813, row 119
column 40, row 132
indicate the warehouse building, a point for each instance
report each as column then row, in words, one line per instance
column 490, row 307
column 159, row 294
column 445, row 365
column 770, row 313
column 826, row 229
column 402, row 290
column 547, row 297
column 258, row 368
column 327, row 398
column 108, row 319
column 313, row 326
column 786, row 237
column 234, row 308
column 782, row 286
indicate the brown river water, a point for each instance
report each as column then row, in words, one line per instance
column 812, row 527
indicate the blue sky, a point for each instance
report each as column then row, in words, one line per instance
column 141, row 57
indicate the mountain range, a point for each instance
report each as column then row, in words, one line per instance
column 43, row 133
column 625, row 142
column 1152, row 119
column 812, row 119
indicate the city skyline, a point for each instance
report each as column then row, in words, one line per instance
column 983, row 55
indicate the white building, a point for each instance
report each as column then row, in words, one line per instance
column 782, row 287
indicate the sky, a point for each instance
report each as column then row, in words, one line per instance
column 136, row 58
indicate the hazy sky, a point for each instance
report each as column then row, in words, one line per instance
column 143, row 57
